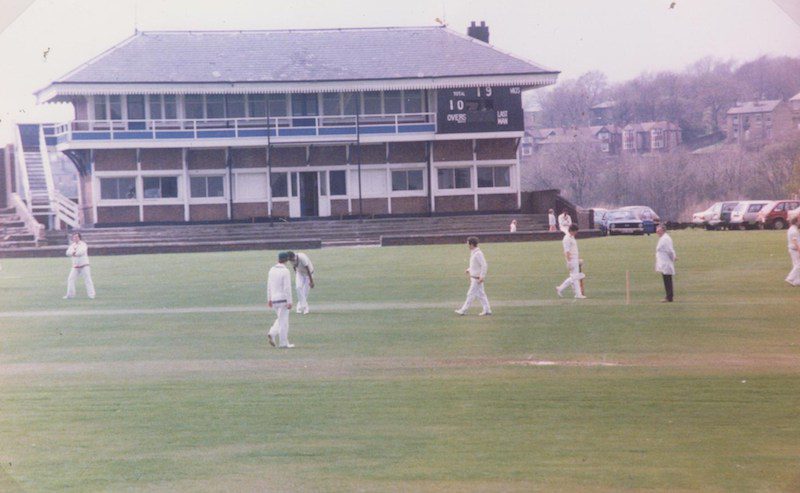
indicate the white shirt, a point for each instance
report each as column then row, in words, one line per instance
column 477, row 264
column 570, row 245
column 793, row 235
column 513, row 227
column 279, row 284
column 79, row 253
column 551, row 219
column 302, row 264
column 564, row 221
column 665, row 256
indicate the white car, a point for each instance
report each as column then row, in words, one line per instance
column 709, row 217
column 745, row 215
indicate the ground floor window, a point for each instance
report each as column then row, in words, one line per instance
column 337, row 181
column 454, row 178
column 494, row 176
column 118, row 188
column 404, row 180
column 160, row 187
column 280, row 186
column 207, row 186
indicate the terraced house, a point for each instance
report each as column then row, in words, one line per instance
column 247, row 125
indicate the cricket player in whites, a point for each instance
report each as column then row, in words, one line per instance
column 477, row 273
column 78, row 252
column 279, row 298
column 303, row 279
column 793, row 237
column 573, row 264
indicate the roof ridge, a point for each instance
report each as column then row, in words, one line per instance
column 257, row 31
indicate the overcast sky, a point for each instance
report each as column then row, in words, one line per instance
column 622, row 38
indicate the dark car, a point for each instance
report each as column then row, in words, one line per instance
column 624, row 222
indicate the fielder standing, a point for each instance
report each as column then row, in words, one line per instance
column 303, row 278
column 665, row 260
column 477, row 274
column 78, row 252
column 564, row 222
column 279, row 298
column 551, row 220
column 573, row 264
column 794, row 251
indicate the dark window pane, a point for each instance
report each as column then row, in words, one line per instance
column 152, row 187
column 445, row 176
column 372, row 103
column 215, row 186
column 100, row 108
column 323, row 183
column 350, row 103
column 215, row 106
column 193, row 106
column 330, row 103
column 415, row 180
column 391, row 101
column 108, row 188
column 485, row 179
column 462, row 178
column 277, row 105
column 160, row 187
column 127, row 188
column 169, row 187
column 304, row 104
column 399, row 180
column 257, row 105
column 155, row 107
column 279, row 186
column 118, row 188
column 294, row 184
column 234, row 106
column 170, row 107
column 502, row 176
column 135, row 107
column 413, row 101
column 115, row 107
column 198, row 186
column 338, row 182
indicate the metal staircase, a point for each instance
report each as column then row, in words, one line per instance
column 40, row 195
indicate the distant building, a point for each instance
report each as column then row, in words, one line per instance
column 755, row 122
column 794, row 102
column 603, row 113
column 644, row 137
column 607, row 138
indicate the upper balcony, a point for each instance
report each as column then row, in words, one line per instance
column 88, row 134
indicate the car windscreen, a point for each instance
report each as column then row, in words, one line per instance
column 622, row 216
column 755, row 207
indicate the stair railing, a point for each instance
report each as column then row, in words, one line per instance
column 45, row 153
column 67, row 211
column 22, row 168
column 33, row 226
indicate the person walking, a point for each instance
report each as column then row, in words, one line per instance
column 793, row 236
column 564, row 222
column 303, row 279
column 477, row 274
column 572, row 257
column 551, row 220
column 665, row 261
column 279, row 298
column 78, row 252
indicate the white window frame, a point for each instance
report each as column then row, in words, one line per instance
column 494, row 189
column 207, row 173
column 408, row 167
column 178, row 174
column 455, row 191
column 98, row 176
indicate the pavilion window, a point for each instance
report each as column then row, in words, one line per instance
column 135, row 107
column 215, row 106
column 100, row 108
column 170, row 107
column 193, row 106
column 392, row 102
column 234, row 106
column 279, row 185
column 350, row 103
column 154, row 101
column 330, row 104
column 412, row 101
column 337, row 182
column 277, row 105
column 257, row 104
column 160, row 187
column 372, row 103
column 304, row 105
column 115, row 107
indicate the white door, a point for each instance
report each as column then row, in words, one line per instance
column 324, row 198
column 294, row 196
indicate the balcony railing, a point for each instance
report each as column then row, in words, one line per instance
column 234, row 128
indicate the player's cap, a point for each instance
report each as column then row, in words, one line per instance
column 283, row 256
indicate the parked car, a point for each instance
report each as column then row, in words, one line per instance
column 717, row 216
column 601, row 220
column 622, row 222
column 647, row 215
column 775, row 215
column 745, row 214
column 725, row 214
column 702, row 218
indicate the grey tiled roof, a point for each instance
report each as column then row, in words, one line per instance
column 764, row 106
column 298, row 56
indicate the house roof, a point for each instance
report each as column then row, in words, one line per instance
column 764, row 106
column 295, row 56
column 648, row 126
column 796, row 97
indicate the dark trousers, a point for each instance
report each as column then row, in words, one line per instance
column 668, row 285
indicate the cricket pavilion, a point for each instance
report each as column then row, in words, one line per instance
column 188, row 126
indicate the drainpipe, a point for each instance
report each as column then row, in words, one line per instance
column 229, row 164
column 358, row 150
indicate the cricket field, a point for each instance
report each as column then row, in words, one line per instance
column 166, row 381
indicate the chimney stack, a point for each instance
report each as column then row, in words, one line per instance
column 478, row 32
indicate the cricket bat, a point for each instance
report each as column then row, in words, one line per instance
column 580, row 269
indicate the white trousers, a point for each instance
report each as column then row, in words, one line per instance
column 86, row 274
column 575, row 276
column 476, row 292
column 280, row 329
column 794, row 276
column 303, row 283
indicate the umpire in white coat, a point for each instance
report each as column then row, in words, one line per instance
column 279, row 298
column 665, row 261
column 477, row 274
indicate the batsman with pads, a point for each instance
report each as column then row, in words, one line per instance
column 572, row 257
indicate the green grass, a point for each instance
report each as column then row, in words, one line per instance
column 705, row 395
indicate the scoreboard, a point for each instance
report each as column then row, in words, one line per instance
column 480, row 109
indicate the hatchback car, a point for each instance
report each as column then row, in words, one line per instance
column 745, row 214
column 775, row 215
column 624, row 222
column 702, row 218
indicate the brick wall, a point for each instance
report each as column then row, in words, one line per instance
column 280, row 209
column 496, row 149
column 249, row 157
column 455, row 203
column 339, row 207
column 288, row 156
column 163, row 213
column 155, row 159
column 247, row 211
column 372, row 206
column 370, row 154
column 208, row 212
column 123, row 214
column 497, row 202
column 407, row 152
column 206, row 158
column 452, row 150
column 409, row 205
column 115, row 159
column 328, row 155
